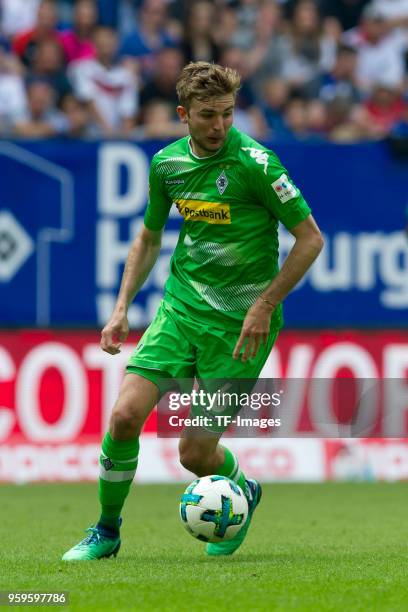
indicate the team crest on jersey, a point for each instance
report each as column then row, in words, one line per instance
column 222, row 182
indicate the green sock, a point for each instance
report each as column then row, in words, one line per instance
column 231, row 469
column 118, row 463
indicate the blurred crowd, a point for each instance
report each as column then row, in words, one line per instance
column 311, row 69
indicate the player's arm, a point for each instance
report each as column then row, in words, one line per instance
column 277, row 192
column 142, row 256
column 308, row 244
column 255, row 329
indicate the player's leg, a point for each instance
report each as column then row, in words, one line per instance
column 215, row 363
column 120, row 446
column 118, row 462
column 204, row 456
column 162, row 354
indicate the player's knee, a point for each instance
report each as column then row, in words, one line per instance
column 193, row 460
column 125, row 422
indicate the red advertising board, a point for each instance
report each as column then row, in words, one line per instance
column 57, row 389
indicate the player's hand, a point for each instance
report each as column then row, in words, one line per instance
column 254, row 332
column 114, row 334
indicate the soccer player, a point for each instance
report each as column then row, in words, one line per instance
column 221, row 311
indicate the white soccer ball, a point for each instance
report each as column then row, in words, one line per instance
column 213, row 508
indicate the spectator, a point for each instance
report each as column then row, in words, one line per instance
column 18, row 16
column 158, row 122
column 48, row 64
column 42, row 119
column 149, row 36
column 380, row 50
column 247, row 13
column 247, row 115
column 275, row 97
column 340, row 82
column 302, row 76
column 225, row 26
column 77, row 43
column 268, row 48
column 199, row 42
column 162, row 84
column 13, row 101
column 125, row 16
column 9, row 62
column 234, row 57
column 346, row 12
column 65, row 13
column 309, row 52
column 317, row 119
column 24, row 44
column 108, row 87
column 393, row 10
column 77, row 116
column 341, row 126
column 384, row 109
column 295, row 120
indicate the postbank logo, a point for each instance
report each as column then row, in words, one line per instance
column 209, row 212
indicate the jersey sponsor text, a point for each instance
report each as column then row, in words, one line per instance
column 209, row 212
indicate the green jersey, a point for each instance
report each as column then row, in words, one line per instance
column 231, row 202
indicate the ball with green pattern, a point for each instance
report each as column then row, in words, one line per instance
column 213, row 508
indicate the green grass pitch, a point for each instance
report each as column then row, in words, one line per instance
column 310, row 547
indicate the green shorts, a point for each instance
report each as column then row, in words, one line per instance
column 180, row 348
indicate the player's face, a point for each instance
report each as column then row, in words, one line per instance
column 208, row 123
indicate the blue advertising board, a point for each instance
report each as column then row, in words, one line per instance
column 69, row 211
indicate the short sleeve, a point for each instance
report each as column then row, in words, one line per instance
column 159, row 204
column 276, row 191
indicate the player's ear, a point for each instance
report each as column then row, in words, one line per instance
column 182, row 113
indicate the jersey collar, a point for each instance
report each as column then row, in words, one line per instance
column 207, row 157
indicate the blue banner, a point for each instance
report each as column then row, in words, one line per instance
column 69, row 211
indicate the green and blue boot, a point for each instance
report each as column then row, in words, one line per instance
column 98, row 544
column 230, row 546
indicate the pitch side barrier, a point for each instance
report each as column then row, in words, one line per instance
column 58, row 388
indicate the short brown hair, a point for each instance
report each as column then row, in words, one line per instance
column 203, row 80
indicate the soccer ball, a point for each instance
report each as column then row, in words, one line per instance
column 213, row 508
